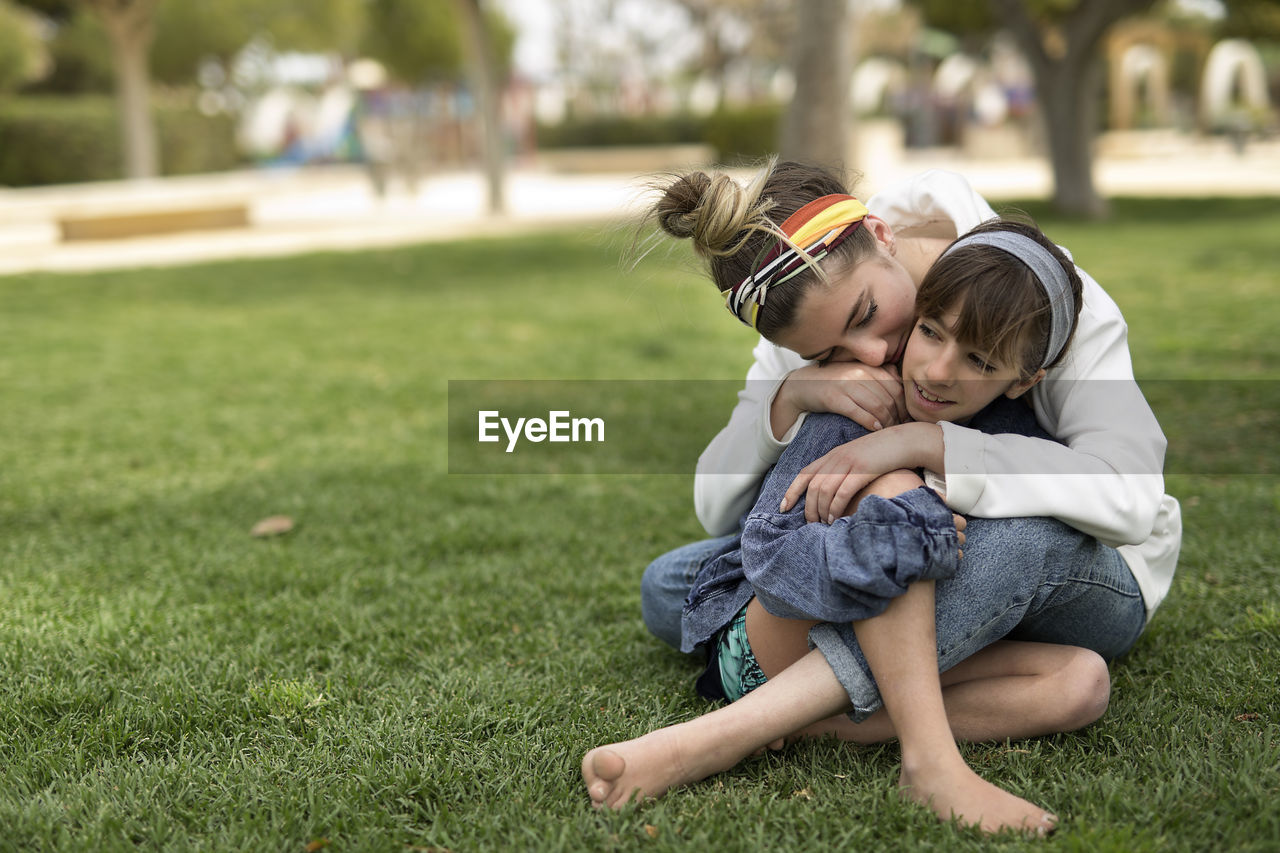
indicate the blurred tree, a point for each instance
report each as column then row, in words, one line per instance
column 322, row 26
column 1061, row 40
column 80, row 54
column 426, row 40
column 422, row 40
column 417, row 39
column 22, row 52
column 733, row 29
column 604, row 50
column 1251, row 19
column 967, row 20
column 484, row 75
column 706, row 17
column 129, row 25
column 180, row 34
column 188, row 33
column 815, row 127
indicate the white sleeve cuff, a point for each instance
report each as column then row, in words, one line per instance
column 964, row 452
column 770, row 447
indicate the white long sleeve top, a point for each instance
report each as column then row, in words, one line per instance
column 1105, row 479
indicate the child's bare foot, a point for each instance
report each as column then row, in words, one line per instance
column 649, row 766
column 957, row 792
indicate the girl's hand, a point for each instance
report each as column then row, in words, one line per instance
column 830, row 482
column 870, row 396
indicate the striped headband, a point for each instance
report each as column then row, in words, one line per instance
column 813, row 232
column 1048, row 271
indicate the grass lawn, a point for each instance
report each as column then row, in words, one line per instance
column 422, row 662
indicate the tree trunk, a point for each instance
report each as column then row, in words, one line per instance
column 1069, row 101
column 488, row 94
column 816, row 126
column 1066, row 63
column 129, row 26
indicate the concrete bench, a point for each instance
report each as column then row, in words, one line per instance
column 136, row 217
column 114, row 210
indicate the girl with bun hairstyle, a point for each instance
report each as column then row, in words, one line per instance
column 843, row 295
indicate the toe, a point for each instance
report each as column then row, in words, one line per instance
column 599, row 792
column 607, row 764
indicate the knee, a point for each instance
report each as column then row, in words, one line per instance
column 660, row 603
column 1087, row 689
column 892, row 484
column 653, row 588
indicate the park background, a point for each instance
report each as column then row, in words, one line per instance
column 422, row 659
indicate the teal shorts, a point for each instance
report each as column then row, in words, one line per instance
column 739, row 671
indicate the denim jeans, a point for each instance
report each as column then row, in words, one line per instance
column 845, row 571
column 668, row 580
column 1030, row 579
column 1024, row 578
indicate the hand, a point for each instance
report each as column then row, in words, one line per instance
column 870, row 396
column 830, row 482
column 961, row 524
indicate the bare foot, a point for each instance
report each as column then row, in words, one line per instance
column 956, row 792
column 649, row 766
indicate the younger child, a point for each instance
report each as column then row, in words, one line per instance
column 993, row 313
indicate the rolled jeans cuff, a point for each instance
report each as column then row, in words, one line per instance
column 849, row 666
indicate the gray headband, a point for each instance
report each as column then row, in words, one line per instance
column 1047, row 269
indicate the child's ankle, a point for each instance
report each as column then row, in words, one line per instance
column 925, row 763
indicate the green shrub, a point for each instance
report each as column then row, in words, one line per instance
column 744, row 133
column 51, row 140
column 600, row 131
column 191, row 142
column 737, row 134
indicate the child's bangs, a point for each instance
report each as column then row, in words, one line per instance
column 996, row 318
column 997, row 308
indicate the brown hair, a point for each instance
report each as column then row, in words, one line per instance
column 1005, row 310
column 733, row 226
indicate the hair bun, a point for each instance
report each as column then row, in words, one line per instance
column 677, row 210
column 717, row 213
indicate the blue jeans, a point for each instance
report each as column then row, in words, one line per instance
column 1022, row 578
column 1032, row 579
column 667, row 581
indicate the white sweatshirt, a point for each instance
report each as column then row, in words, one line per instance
column 1106, row 480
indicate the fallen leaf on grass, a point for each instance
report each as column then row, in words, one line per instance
column 802, row 794
column 1244, row 718
column 651, row 830
column 317, row 844
column 272, row 525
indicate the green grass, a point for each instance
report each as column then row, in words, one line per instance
column 423, row 661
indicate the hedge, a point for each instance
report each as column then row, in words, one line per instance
column 744, row 134
column 741, row 133
column 57, row 140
